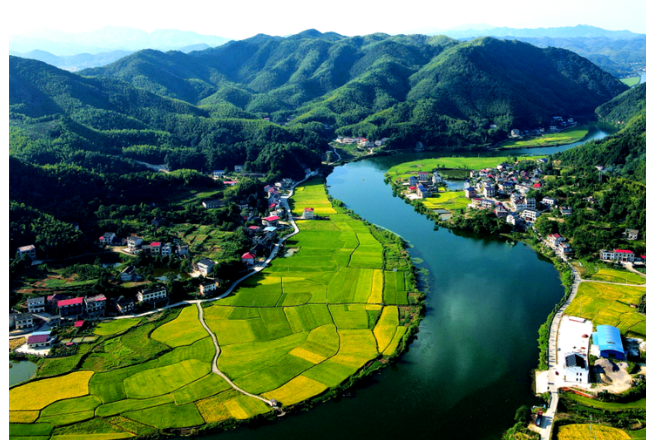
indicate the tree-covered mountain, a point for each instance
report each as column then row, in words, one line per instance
column 58, row 116
column 411, row 88
column 624, row 153
column 622, row 108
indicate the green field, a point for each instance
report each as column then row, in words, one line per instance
column 405, row 170
column 303, row 325
column 639, row 404
column 610, row 304
column 632, row 81
column 448, row 200
column 567, row 136
column 618, row 276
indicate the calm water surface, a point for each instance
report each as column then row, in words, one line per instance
column 469, row 368
column 20, row 371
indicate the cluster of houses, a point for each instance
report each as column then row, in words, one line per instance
column 361, row 142
column 507, row 183
column 557, row 123
column 135, row 245
column 424, row 184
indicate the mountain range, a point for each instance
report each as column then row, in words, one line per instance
column 207, row 108
column 483, row 30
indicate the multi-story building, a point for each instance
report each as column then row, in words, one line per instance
column 152, row 295
column 36, row 305
column 71, row 308
column 95, row 305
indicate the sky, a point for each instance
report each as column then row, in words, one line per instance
column 238, row 19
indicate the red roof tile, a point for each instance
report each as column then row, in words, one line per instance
column 79, row 323
column 155, row 244
column 623, row 251
column 69, row 302
column 37, row 339
column 249, row 255
column 272, row 218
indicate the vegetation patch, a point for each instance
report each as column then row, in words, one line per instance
column 158, row 381
column 591, row 431
column 115, row 326
column 183, row 330
column 168, row 416
column 296, row 390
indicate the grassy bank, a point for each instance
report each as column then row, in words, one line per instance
column 567, row 136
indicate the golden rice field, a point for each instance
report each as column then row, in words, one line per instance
column 591, row 432
column 36, row 395
column 610, row 304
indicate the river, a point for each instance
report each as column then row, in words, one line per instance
column 469, row 368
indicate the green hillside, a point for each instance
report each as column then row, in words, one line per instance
column 412, row 88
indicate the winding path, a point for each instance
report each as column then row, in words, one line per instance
column 214, row 367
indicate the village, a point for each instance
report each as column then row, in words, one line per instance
column 515, row 196
column 39, row 317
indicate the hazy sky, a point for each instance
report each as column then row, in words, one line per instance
column 241, row 19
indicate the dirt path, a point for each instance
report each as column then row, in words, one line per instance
column 214, row 367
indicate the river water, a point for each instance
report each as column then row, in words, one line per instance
column 469, row 368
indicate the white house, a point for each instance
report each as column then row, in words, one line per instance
column 134, row 242
column 548, row 201
column 515, row 132
column 308, row 213
column 30, row 251
column 530, row 215
column 469, row 192
column 151, row 295
column 249, row 258
column 632, row 234
column 205, row 266
column 218, row 173
column 209, row 286
column 555, row 239
column 618, row 255
column 107, row 238
column 564, row 248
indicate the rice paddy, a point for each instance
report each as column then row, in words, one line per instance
column 610, row 304
column 302, row 326
column 591, row 431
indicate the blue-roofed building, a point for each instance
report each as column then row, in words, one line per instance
column 608, row 340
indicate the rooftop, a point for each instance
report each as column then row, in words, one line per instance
column 69, row 302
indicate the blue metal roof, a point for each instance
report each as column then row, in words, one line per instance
column 608, row 338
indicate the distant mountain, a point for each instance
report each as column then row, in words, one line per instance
column 74, row 62
column 431, row 89
column 580, row 31
column 619, row 57
column 108, row 39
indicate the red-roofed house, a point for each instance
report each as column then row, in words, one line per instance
column 155, row 247
column 308, row 213
column 624, row 255
column 618, row 255
column 249, row 258
column 555, row 239
column 35, row 341
column 537, row 185
column 79, row 324
column 271, row 220
column 71, row 308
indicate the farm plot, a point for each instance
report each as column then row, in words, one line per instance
column 588, row 431
column 395, row 288
column 183, row 330
column 609, row 304
column 115, row 326
column 38, row 394
column 163, row 380
column 407, row 169
column 618, row 276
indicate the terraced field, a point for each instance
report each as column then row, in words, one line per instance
column 302, row 326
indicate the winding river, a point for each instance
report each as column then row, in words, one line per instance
column 469, row 369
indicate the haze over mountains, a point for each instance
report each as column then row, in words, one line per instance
column 484, row 30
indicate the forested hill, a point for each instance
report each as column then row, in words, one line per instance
column 623, row 107
column 412, row 88
column 623, row 154
column 101, row 123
